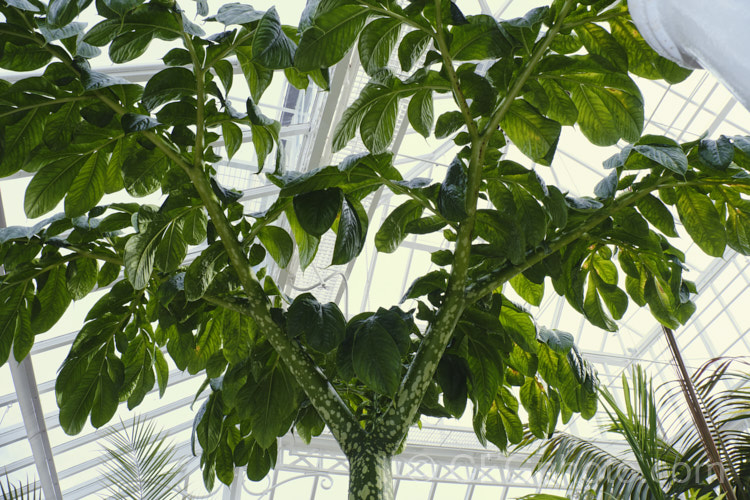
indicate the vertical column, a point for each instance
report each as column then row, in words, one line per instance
column 33, row 415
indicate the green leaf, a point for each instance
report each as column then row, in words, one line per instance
column 657, row 214
column 140, row 253
column 393, row 231
column 447, row 123
column 420, row 112
column 24, row 337
column 434, row 280
column 322, row 325
column 172, row 248
column 224, row 463
column 376, row 42
column 330, row 37
column 535, row 135
column 236, row 13
column 232, row 138
column 607, row 187
column 81, row 276
column 12, row 302
column 642, row 59
column 20, row 139
column 61, row 12
column 260, row 461
column 77, row 404
column 530, row 292
column 717, row 154
column 268, row 404
column 592, row 309
column 53, row 300
column 195, row 226
column 350, row 235
column 701, row 221
column 278, row 243
column 23, row 5
column 26, row 57
column 535, row 403
column 487, row 370
column 271, row 47
column 738, row 231
column 307, row 245
column 203, row 269
column 669, row 156
column 615, row 299
column 495, row 430
column 598, row 41
column 561, row 107
column 59, row 127
column 480, row 39
column 376, row 358
column 526, row 29
column 105, row 402
column 451, row 202
column 142, row 171
column 50, row 184
column 379, row 123
column 258, row 77
column 122, row 7
column 88, row 185
column 132, row 122
column 239, row 336
column 162, row 371
column 605, row 113
column 209, row 427
column 168, row 85
column 263, row 139
column 412, row 47
column 378, row 98
column 317, row 210
column 130, row 45
column 519, row 325
column 507, row 407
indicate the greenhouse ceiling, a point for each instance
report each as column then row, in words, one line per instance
column 442, row 458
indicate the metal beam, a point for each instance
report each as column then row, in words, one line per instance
column 33, row 414
column 36, row 430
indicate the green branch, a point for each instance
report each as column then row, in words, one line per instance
column 515, row 90
column 458, row 94
column 478, row 290
column 612, row 14
column 394, row 15
column 332, row 409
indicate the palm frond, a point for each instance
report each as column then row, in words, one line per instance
column 29, row 491
column 142, row 465
column 724, row 393
column 588, row 467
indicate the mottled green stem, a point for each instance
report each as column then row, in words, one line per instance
column 370, row 476
column 331, row 408
column 400, row 416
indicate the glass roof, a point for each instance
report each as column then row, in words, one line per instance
column 443, row 459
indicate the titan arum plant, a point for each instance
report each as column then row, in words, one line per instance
column 276, row 365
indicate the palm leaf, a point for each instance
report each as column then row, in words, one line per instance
column 724, row 393
column 142, row 465
column 589, row 467
column 30, row 491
